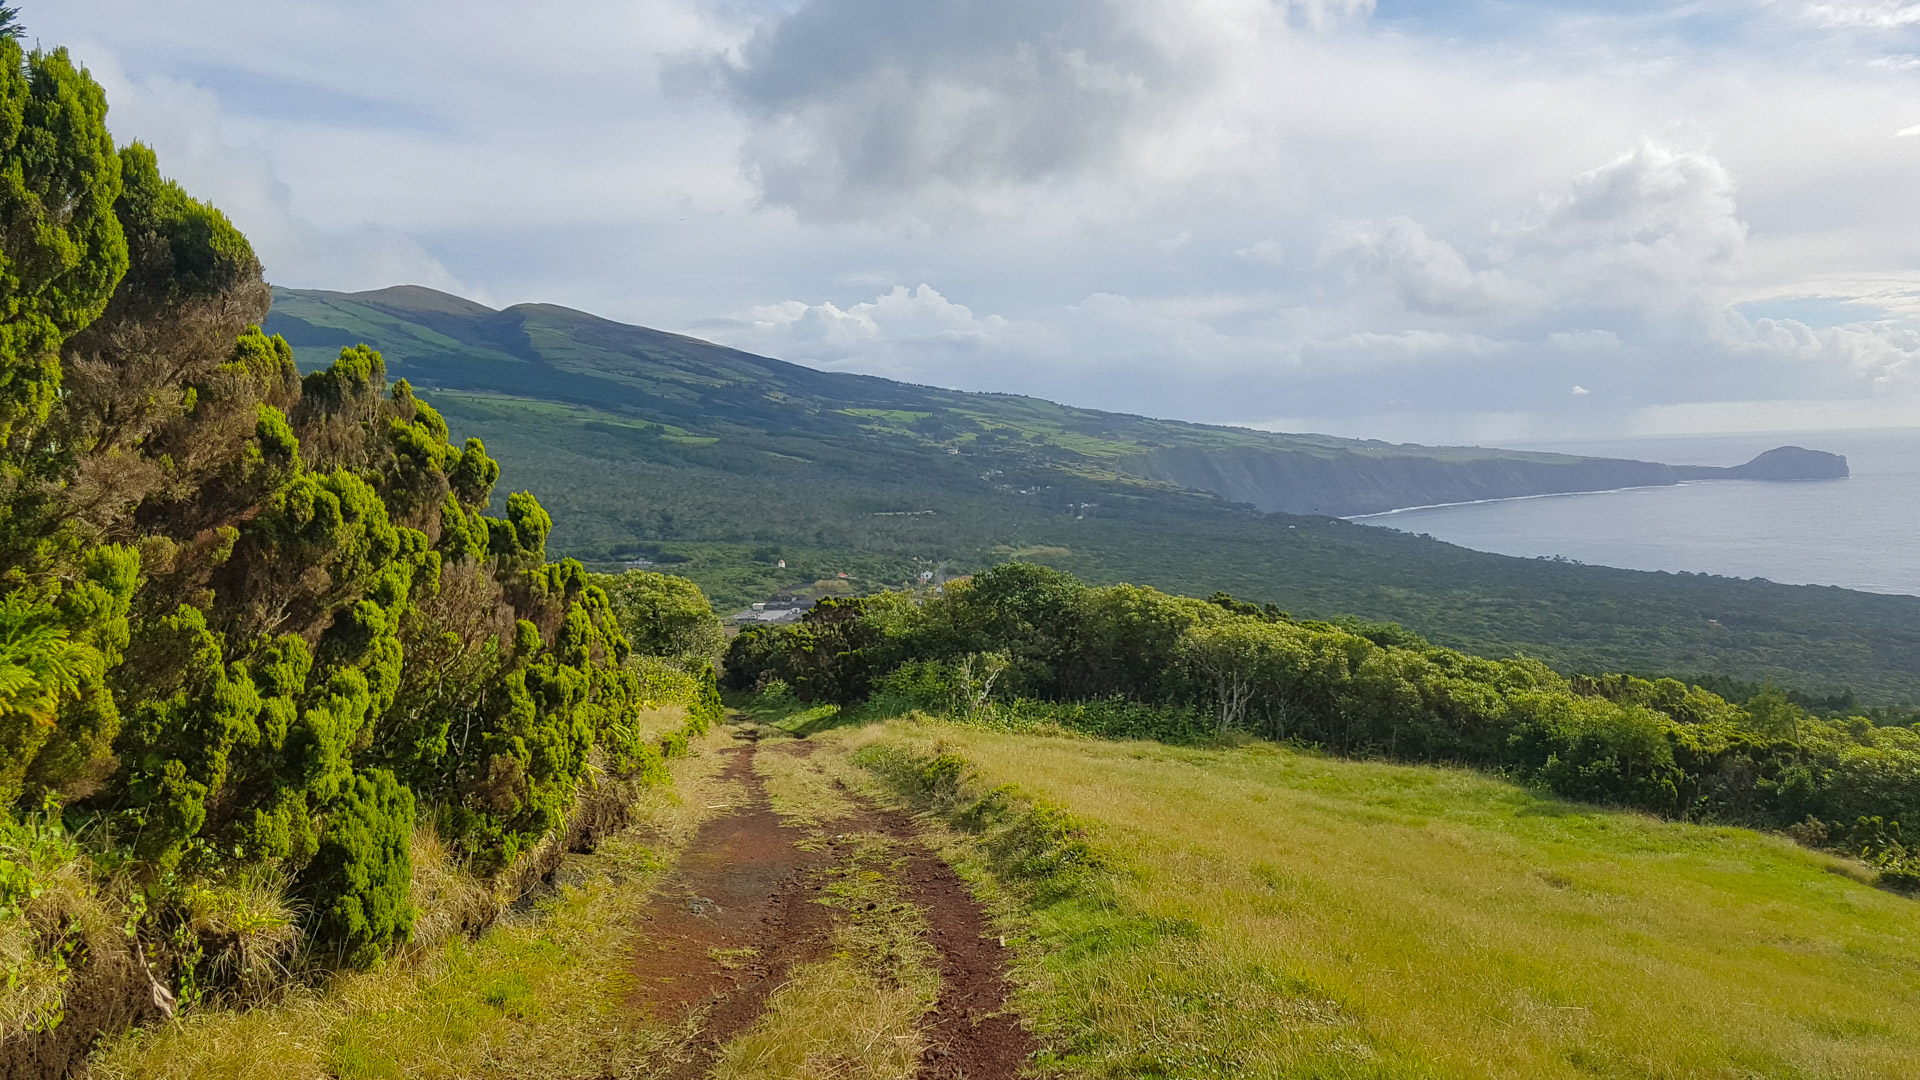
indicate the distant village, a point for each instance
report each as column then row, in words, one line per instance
column 789, row 608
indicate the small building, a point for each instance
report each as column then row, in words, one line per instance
column 761, row 613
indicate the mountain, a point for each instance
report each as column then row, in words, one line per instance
column 561, row 355
column 655, row 447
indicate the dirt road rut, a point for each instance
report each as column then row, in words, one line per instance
column 738, row 914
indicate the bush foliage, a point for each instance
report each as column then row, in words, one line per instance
column 1026, row 646
column 254, row 625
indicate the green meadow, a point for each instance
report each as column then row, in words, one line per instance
column 1268, row 912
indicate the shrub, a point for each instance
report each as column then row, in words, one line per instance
column 664, row 615
column 1126, row 662
column 359, row 880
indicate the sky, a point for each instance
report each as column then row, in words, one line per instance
column 1480, row 221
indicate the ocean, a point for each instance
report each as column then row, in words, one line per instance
column 1859, row 533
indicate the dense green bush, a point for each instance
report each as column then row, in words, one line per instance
column 664, row 615
column 1023, row 646
column 359, row 878
column 253, row 624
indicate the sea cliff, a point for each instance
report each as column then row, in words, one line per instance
column 1346, row 484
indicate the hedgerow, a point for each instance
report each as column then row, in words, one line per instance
column 1024, row 647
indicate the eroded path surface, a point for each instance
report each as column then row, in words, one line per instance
column 740, row 912
column 732, row 920
column 971, row 1033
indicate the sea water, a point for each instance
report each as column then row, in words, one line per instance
column 1862, row 532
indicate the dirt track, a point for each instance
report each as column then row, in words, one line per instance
column 744, row 884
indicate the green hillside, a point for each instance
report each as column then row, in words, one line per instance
column 647, row 445
column 558, row 354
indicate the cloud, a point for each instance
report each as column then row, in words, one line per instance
column 197, row 146
column 1654, row 232
column 864, row 108
column 1870, row 14
column 1427, row 275
column 1622, row 272
column 1212, row 209
column 902, row 319
column 1099, row 351
column 1268, row 252
column 1653, row 228
column 1580, row 341
column 1886, row 358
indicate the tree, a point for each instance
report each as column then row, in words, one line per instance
column 1231, row 657
column 10, row 23
column 664, row 615
column 1030, row 611
column 62, row 250
column 41, row 668
column 1770, row 713
column 973, row 679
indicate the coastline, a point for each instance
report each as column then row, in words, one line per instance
column 1854, row 535
column 1363, row 518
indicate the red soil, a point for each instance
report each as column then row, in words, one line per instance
column 744, row 884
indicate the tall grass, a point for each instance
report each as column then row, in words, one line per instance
column 50, row 910
column 1278, row 914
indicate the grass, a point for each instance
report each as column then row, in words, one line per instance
column 542, row 994
column 1279, row 914
column 655, row 722
column 801, row 794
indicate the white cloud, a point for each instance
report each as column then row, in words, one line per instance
column 902, row 318
column 194, row 139
column 1584, row 340
column 1871, row 14
column 1208, row 208
column 1654, row 231
column 1268, row 252
column 1427, row 275
column 1651, row 229
column 1581, row 391
column 1887, row 358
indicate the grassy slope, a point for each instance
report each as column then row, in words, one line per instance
column 645, row 443
column 1303, row 917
